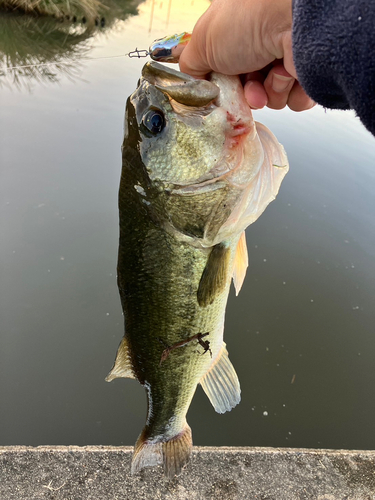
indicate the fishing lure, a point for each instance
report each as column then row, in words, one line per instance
column 169, row 48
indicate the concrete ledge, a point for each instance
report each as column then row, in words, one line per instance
column 102, row 472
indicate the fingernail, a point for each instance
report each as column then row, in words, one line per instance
column 281, row 83
column 255, row 94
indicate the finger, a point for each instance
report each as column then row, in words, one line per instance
column 298, row 100
column 193, row 59
column 255, row 94
column 278, row 85
column 190, row 64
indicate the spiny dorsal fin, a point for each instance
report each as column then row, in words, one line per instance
column 221, row 383
column 241, row 261
column 122, row 366
column 214, row 276
column 173, row 454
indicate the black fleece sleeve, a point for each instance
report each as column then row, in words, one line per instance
column 334, row 54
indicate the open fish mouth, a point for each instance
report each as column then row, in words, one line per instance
column 221, row 94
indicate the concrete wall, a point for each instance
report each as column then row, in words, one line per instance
column 102, row 472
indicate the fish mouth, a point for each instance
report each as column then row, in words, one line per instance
column 181, row 87
column 203, row 97
column 189, row 91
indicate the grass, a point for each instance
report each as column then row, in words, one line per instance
column 29, row 40
column 61, row 9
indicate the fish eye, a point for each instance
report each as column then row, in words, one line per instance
column 154, row 121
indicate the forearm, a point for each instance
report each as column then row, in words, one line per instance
column 334, row 53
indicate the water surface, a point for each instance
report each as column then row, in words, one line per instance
column 301, row 332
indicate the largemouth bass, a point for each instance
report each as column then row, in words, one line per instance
column 197, row 170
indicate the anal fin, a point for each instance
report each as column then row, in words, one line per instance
column 241, row 262
column 221, row 383
column 122, row 366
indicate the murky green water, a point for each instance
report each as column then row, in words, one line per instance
column 301, row 333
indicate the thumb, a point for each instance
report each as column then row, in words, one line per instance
column 288, row 54
column 193, row 60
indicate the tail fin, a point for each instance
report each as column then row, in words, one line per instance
column 173, row 454
column 176, row 452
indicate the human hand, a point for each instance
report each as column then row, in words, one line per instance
column 250, row 38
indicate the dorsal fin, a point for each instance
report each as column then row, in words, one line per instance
column 122, row 366
column 215, row 275
column 241, row 261
column 221, row 383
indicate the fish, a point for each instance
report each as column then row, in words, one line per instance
column 196, row 171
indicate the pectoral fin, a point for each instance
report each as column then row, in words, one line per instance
column 221, row 383
column 215, row 275
column 241, row 262
column 122, row 366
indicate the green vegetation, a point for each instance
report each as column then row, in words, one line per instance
column 88, row 9
column 41, row 48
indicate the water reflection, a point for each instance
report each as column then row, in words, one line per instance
column 311, row 266
column 27, row 41
column 41, row 50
